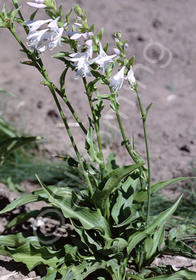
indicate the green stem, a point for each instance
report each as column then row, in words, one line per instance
column 40, row 67
column 65, row 122
column 147, row 153
column 125, row 140
column 65, row 99
column 68, row 130
column 71, row 139
column 96, row 124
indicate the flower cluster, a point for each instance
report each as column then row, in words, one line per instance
column 103, row 59
column 117, row 80
column 47, row 38
column 41, row 39
column 81, row 60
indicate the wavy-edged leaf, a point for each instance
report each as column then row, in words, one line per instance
column 63, row 199
column 12, row 240
column 111, row 183
column 123, row 211
column 32, row 255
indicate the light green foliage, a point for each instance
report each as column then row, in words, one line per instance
column 108, row 206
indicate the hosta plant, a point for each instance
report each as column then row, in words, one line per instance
column 112, row 234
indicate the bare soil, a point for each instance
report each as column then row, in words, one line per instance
column 162, row 37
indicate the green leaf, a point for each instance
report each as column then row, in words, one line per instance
column 111, row 163
column 11, row 185
column 130, row 62
column 28, row 62
column 99, row 35
column 92, row 87
column 146, row 111
column 63, row 199
column 78, row 10
column 51, row 274
column 7, row 130
column 25, row 199
column 3, row 24
column 89, row 238
column 6, row 92
column 33, row 15
column 153, row 243
column 33, row 256
column 110, row 184
column 174, row 245
column 101, row 78
column 123, row 211
column 70, row 160
column 91, row 148
column 62, row 79
column 12, row 240
column 137, row 237
column 142, row 195
column 68, row 16
column 158, row 239
column 184, row 274
column 98, row 109
column 113, row 178
column 9, row 145
column 15, row 2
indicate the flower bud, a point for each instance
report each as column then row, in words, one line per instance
column 49, row 3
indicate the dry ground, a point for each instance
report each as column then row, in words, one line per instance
column 162, row 37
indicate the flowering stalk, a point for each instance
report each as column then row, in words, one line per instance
column 125, row 140
column 63, row 95
column 144, row 115
column 40, row 67
column 96, row 124
column 71, row 137
column 51, row 88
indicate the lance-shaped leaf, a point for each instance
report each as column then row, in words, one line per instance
column 25, row 199
column 184, row 274
column 137, row 237
column 91, row 147
column 6, row 130
column 142, row 195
